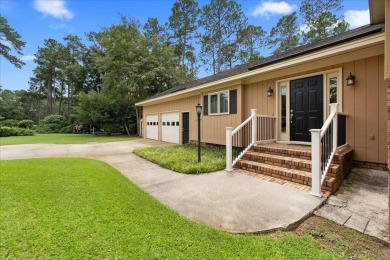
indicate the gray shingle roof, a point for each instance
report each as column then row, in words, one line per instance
column 298, row 51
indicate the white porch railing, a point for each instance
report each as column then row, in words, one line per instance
column 323, row 148
column 240, row 140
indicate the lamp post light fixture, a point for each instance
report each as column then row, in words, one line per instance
column 270, row 92
column 198, row 112
column 350, row 80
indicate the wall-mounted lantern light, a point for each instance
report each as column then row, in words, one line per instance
column 350, row 80
column 198, row 112
column 270, row 92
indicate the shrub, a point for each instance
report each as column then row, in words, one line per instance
column 9, row 122
column 14, row 131
column 52, row 124
column 26, row 124
column 67, row 129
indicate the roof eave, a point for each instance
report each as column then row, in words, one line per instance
column 377, row 11
column 361, row 42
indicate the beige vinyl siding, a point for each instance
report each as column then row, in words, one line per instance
column 255, row 96
column 213, row 126
column 364, row 103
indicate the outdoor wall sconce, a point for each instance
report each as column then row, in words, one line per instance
column 270, row 92
column 198, row 112
column 350, row 80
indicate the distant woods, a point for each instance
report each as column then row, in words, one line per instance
column 98, row 81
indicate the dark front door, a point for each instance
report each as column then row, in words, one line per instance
column 186, row 128
column 306, row 107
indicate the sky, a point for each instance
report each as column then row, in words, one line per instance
column 37, row 20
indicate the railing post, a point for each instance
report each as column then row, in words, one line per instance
column 333, row 108
column 254, row 125
column 229, row 149
column 316, row 162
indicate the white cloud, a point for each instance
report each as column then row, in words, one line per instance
column 268, row 8
column 55, row 8
column 58, row 26
column 357, row 18
column 26, row 58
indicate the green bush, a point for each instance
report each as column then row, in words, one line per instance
column 52, row 124
column 9, row 122
column 26, row 124
column 15, row 131
column 67, row 129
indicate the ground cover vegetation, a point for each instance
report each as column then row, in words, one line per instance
column 86, row 209
column 184, row 158
column 63, row 139
column 98, row 80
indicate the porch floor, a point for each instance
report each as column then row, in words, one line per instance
column 299, row 147
column 361, row 203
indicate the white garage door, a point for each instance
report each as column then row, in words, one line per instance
column 170, row 131
column 152, row 127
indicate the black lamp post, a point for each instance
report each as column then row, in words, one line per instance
column 198, row 112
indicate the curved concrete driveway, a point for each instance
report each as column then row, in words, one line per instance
column 229, row 201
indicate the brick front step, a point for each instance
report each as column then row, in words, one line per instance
column 286, row 162
column 293, row 175
column 302, row 154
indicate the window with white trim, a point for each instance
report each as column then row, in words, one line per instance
column 219, row 103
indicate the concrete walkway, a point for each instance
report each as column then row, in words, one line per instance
column 232, row 202
column 361, row 203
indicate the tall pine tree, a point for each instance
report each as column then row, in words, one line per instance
column 183, row 23
column 320, row 19
column 285, row 35
column 222, row 22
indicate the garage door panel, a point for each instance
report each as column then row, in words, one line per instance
column 152, row 127
column 170, row 129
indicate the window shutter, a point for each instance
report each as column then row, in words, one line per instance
column 233, row 101
column 205, row 105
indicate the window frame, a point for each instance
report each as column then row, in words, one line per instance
column 227, row 92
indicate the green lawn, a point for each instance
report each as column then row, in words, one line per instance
column 184, row 158
column 83, row 208
column 62, row 139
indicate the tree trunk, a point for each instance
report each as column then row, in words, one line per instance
column 137, row 115
column 69, row 99
column 48, row 96
column 127, row 129
column 61, row 98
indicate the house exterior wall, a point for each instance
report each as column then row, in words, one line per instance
column 181, row 105
column 362, row 102
column 212, row 126
column 387, row 80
